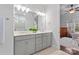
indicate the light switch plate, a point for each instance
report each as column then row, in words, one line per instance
column 2, row 30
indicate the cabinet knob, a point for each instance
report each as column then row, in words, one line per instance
column 7, row 18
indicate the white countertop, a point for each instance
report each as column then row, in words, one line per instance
column 20, row 33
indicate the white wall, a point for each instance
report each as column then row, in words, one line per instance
column 53, row 23
column 7, row 11
column 41, row 23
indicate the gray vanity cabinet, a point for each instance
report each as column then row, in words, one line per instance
column 24, row 45
column 29, row 44
column 38, row 42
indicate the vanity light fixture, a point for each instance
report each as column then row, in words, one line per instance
column 40, row 13
column 72, row 11
column 23, row 8
column 27, row 10
column 18, row 7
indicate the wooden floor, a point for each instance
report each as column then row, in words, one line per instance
column 51, row 51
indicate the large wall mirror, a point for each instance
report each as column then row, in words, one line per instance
column 26, row 20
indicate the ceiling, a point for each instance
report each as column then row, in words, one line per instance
column 63, row 6
column 37, row 7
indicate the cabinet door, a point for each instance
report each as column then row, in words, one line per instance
column 44, row 42
column 38, row 43
column 29, row 46
column 24, row 46
column 19, row 47
column 47, row 40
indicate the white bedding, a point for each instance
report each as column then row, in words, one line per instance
column 68, row 42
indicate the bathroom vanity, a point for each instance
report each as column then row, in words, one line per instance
column 30, row 43
column 25, row 23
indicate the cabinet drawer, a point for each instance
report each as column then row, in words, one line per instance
column 38, row 35
column 24, row 37
column 48, row 37
column 47, row 34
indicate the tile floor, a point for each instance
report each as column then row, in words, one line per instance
column 51, row 51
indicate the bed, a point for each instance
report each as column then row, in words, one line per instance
column 69, row 45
